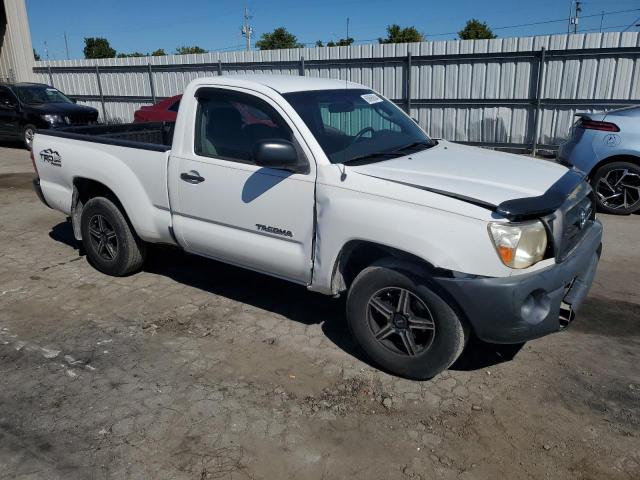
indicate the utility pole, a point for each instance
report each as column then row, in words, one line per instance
column 66, row 44
column 46, row 50
column 347, row 29
column 601, row 20
column 575, row 18
column 246, row 29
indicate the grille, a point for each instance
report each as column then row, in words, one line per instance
column 576, row 223
column 82, row 119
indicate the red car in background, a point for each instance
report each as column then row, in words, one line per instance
column 167, row 111
column 164, row 111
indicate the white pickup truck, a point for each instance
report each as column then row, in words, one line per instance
column 328, row 184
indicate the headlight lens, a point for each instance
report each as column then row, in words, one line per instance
column 519, row 245
column 53, row 118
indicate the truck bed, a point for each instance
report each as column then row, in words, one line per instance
column 156, row 136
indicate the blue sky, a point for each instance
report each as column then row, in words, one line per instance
column 145, row 25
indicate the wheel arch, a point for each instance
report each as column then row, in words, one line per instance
column 356, row 255
column 612, row 159
column 84, row 189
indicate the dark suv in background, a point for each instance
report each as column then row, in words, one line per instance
column 25, row 107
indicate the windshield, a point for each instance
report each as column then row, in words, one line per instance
column 40, row 94
column 357, row 125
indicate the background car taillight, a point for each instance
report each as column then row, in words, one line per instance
column 597, row 125
column 33, row 161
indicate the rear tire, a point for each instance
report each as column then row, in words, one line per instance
column 28, row 131
column 417, row 342
column 617, row 187
column 111, row 245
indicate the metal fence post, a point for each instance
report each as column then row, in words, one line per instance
column 104, row 110
column 151, row 85
column 219, row 67
column 50, row 75
column 538, row 99
column 408, row 83
column 302, row 66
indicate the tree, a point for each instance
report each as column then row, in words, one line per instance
column 397, row 34
column 159, row 53
column 95, row 47
column 189, row 50
column 319, row 43
column 36, row 57
column 475, row 30
column 132, row 54
column 279, row 38
column 343, row 42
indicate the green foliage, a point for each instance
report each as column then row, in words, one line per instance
column 475, row 30
column 343, row 42
column 36, row 57
column 279, row 38
column 189, row 50
column 159, row 53
column 132, row 54
column 95, row 47
column 397, row 34
column 319, row 43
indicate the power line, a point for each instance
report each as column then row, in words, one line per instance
column 632, row 24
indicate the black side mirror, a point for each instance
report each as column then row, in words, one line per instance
column 279, row 154
column 74, row 100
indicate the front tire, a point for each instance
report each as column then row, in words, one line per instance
column 111, row 245
column 28, row 131
column 403, row 325
column 617, row 187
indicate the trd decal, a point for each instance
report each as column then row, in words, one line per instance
column 52, row 157
column 276, row 230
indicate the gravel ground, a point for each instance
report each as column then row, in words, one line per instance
column 197, row 370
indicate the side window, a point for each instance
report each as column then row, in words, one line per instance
column 229, row 125
column 5, row 97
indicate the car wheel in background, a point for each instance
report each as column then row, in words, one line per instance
column 402, row 324
column 28, row 131
column 617, row 187
column 109, row 240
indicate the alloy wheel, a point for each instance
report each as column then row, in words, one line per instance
column 103, row 238
column 401, row 321
column 619, row 189
column 29, row 133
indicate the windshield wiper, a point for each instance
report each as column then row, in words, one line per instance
column 413, row 145
column 374, row 156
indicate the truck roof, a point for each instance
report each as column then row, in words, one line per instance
column 284, row 83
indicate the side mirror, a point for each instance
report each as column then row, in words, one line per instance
column 278, row 154
column 74, row 100
column 7, row 105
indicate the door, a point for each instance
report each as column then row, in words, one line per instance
column 226, row 207
column 9, row 118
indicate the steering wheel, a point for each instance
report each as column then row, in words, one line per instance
column 358, row 135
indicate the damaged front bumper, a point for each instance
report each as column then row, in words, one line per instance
column 523, row 307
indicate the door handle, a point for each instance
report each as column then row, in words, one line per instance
column 191, row 177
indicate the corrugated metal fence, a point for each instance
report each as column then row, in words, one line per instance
column 511, row 92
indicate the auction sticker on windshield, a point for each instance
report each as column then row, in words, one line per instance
column 371, row 98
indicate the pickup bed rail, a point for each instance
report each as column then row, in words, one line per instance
column 156, row 136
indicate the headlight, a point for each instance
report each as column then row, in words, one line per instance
column 52, row 119
column 519, row 245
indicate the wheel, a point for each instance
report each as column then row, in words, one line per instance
column 27, row 135
column 402, row 324
column 617, row 187
column 111, row 244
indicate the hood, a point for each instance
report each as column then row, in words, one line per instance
column 477, row 175
column 59, row 108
